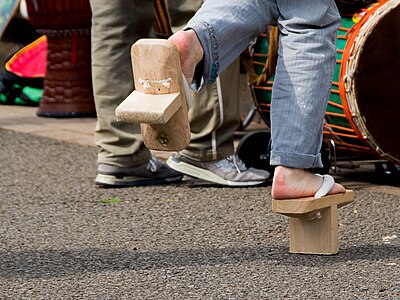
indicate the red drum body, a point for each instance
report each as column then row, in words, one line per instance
column 59, row 14
column 67, row 88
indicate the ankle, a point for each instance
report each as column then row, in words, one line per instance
column 282, row 174
column 190, row 51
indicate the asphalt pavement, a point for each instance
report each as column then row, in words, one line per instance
column 63, row 238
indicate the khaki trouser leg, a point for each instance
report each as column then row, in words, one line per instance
column 214, row 114
column 116, row 25
column 214, row 117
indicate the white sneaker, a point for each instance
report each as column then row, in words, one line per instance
column 229, row 171
column 150, row 173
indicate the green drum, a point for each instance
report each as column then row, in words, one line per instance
column 363, row 107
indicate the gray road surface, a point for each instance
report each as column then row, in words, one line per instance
column 59, row 239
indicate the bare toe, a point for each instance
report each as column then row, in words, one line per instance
column 337, row 189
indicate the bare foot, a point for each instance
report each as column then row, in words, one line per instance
column 297, row 183
column 190, row 51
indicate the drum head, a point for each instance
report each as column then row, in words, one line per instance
column 378, row 85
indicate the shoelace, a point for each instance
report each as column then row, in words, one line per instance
column 231, row 161
column 152, row 165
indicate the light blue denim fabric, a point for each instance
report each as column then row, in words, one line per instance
column 307, row 47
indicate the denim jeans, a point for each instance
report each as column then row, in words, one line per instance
column 306, row 60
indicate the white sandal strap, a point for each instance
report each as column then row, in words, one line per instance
column 327, row 184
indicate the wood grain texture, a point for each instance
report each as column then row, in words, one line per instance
column 318, row 235
column 164, row 119
column 302, row 206
column 313, row 222
column 150, row 109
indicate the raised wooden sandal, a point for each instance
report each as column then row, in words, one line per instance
column 159, row 101
column 313, row 221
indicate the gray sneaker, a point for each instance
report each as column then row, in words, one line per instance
column 151, row 173
column 229, row 171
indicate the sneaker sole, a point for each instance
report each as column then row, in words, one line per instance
column 206, row 175
column 129, row 181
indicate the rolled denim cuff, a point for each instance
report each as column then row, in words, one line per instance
column 295, row 160
column 208, row 41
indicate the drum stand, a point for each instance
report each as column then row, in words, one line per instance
column 313, row 222
column 159, row 101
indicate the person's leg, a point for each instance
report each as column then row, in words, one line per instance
column 203, row 159
column 205, row 38
column 214, row 111
column 306, row 60
column 301, row 90
column 224, row 28
column 116, row 25
column 214, row 117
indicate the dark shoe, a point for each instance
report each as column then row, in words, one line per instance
column 229, row 171
column 151, row 173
